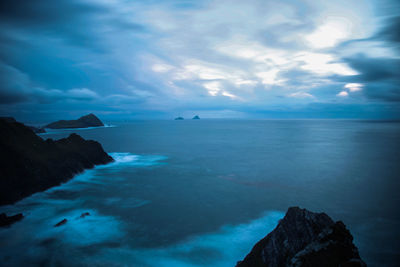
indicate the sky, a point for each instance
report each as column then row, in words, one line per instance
column 147, row 59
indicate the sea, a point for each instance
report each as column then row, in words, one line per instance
column 203, row 192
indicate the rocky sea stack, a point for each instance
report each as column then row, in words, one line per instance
column 196, row 117
column 29, row 164
column 89, row 120
column 305, row 239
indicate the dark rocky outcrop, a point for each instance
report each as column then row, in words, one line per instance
column 83, row 215
column 8, row 220
column 305, row 239
column 196, row 117
column 179, row 118
column 62, row 222
column 89, row 120
column 29, row 164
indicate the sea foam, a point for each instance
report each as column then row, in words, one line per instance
column 224, row 247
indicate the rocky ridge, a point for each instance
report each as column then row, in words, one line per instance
column 29, row 164
column 305, row 239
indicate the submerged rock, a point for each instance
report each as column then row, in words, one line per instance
column 196, row 117
column 179, row 119
column 305, row 239
column 83, row 215
column 62, row 222
column 8, row 220
column 89, row 120
column 28, row 164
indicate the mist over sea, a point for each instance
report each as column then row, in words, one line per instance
column 203, row 192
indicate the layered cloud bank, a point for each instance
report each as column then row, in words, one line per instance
column 156, row 59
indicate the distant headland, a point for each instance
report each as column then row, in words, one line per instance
column 86, row 121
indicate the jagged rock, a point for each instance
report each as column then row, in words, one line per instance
column 305, row 239
column 62, row 222
column 83, row 215
column 8, row 220
column 196, row 117
column 28, row 164
column 89, row 120
column 179, row 119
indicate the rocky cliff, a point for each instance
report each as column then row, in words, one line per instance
column 89, row 120
column 305, row 239
column 29, row 164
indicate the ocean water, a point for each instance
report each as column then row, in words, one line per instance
column 203, row 192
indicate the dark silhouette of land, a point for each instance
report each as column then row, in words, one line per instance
column 89, row 120
column 305, row 239
column 29, row 164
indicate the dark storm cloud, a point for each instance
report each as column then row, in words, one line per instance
column 380, row 77
column 375, row 69
column 380, row 73
column 391, row 30
column 161, row 57
column 9, row 97
column 42, row 12
column 76, row 22
column 16, row 87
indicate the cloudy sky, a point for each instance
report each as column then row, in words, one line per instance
column 126, row 59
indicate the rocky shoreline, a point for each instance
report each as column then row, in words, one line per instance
column 29, row 164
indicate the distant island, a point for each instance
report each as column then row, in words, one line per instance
column 86, row 121
column 181, row 118
column 30, row 164
column 305, row 239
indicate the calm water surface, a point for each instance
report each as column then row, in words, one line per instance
column 202, row 192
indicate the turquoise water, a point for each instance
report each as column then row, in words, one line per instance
column 201, row 193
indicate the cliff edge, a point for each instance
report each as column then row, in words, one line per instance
column 29, row 164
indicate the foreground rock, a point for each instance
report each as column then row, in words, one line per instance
column 8, row 220
column 89, row 120
column 305, row 239
column 28, row 164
